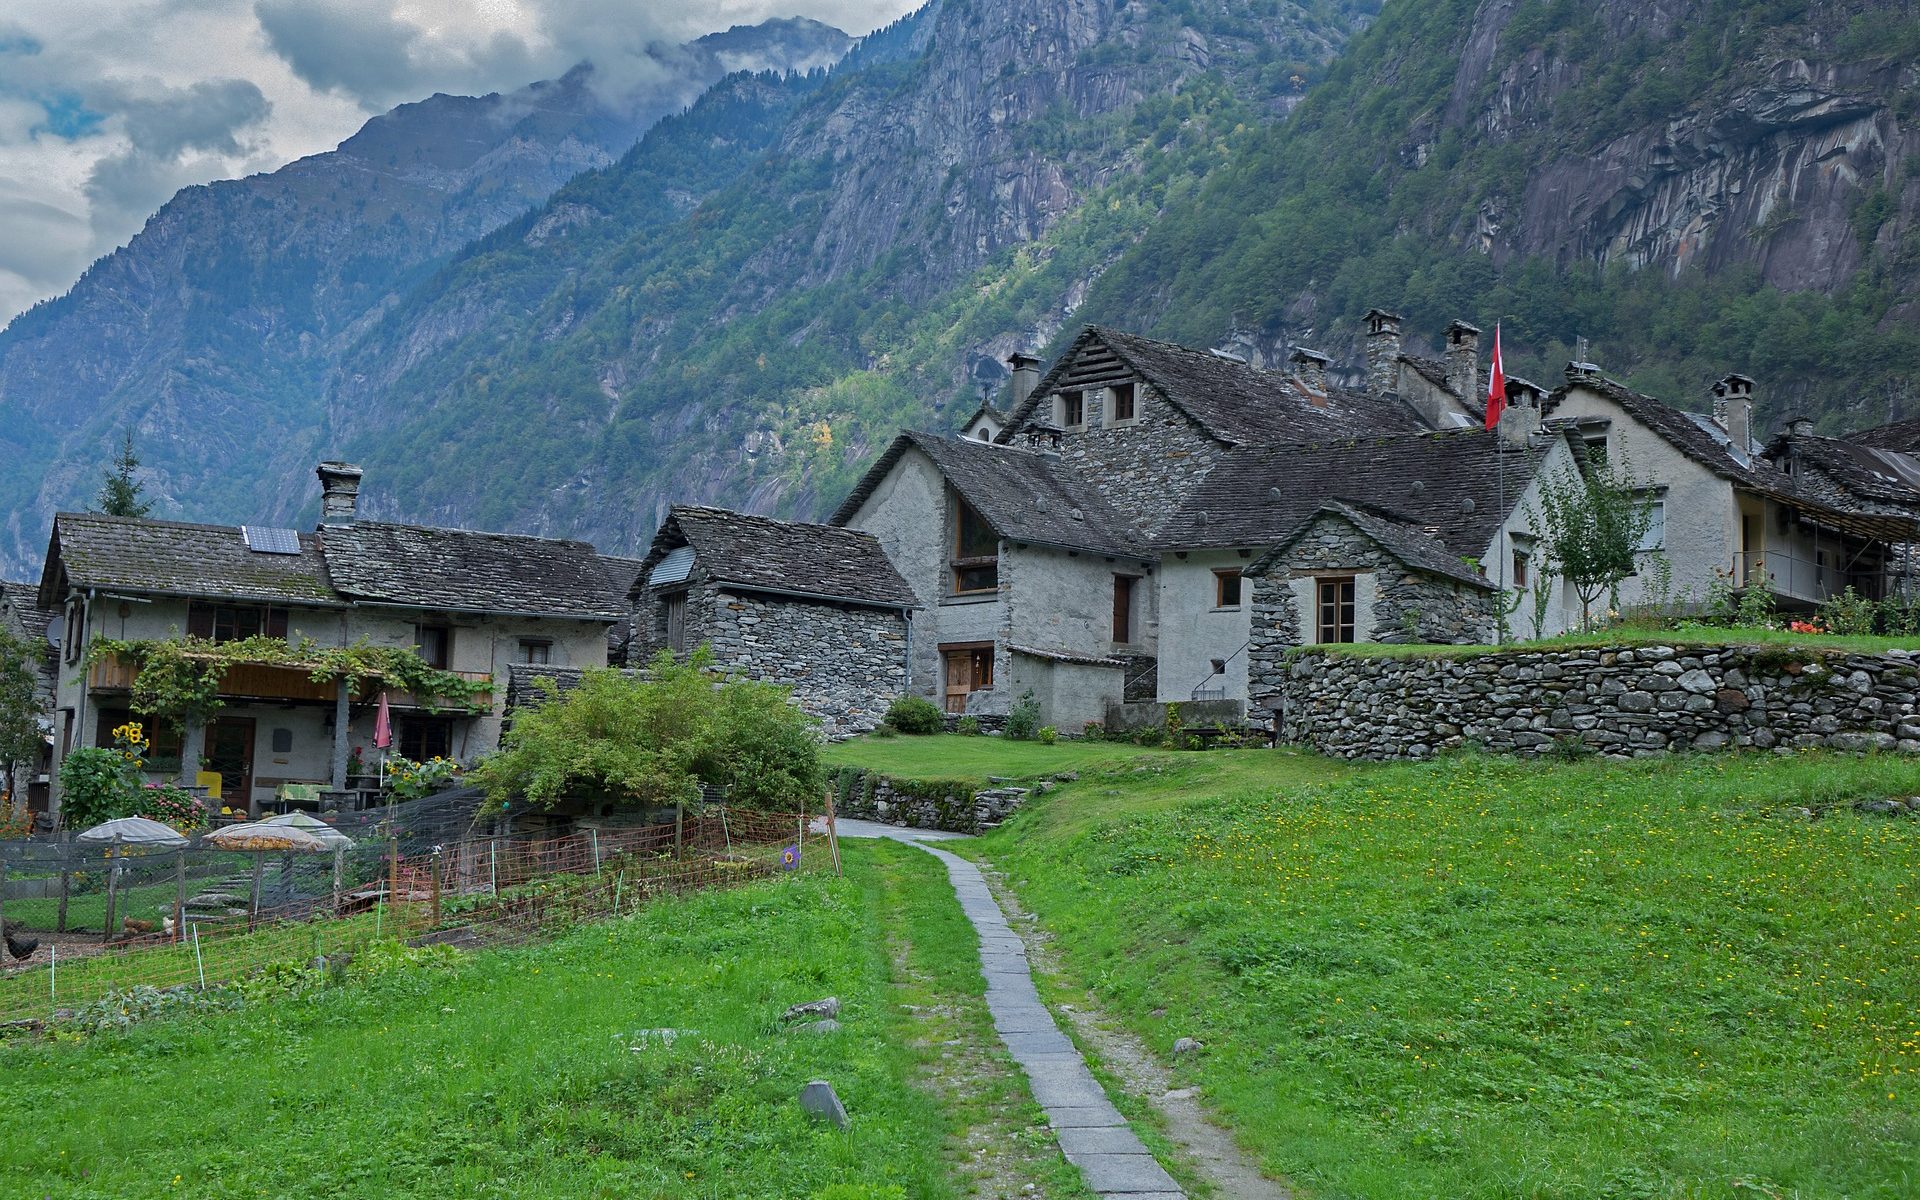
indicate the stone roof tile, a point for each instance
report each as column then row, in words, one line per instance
column 175, row 558
column 784, row 557
column 464, row 570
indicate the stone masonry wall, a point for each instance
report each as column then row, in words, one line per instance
column 952, row 806
column 1625, row 701
column 1143, row 467
column 844, row 664
column 1408, row 605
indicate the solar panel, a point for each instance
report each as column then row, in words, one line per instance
column 264, row 539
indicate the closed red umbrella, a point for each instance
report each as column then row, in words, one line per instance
column 383, row 736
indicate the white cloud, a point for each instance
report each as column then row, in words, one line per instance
column 107, row 107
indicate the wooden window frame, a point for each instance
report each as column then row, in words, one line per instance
column 421, row 630
column 221, row 623
column 1322, row 626
column 1127, row 586
column 1522, row 561
column 1220, row 577
column 423, row 734
column 1071, row 405
column 543, row 647
column 1132, row 393
column 962, row 565
column 673, row 632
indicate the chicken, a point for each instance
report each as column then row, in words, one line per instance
column 134, row 927
column 20, row 947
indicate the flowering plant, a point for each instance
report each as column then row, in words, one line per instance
column 172, row 806
column 409, row 780
column 1813, row 626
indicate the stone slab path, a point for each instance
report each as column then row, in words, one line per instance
column 1092, row 1133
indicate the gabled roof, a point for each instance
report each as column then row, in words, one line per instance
column 1693, row 434
column 463, row 570
column 1870, row 474
column 1903, row 436
column 1234, row 402
column 1026, row 497
column 140, row 556
column 1453, row 482
column 786, row 558
column 21, row 614
column 1413, row 546
column 623, row 574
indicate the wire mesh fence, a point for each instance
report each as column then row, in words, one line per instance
column 200, row 917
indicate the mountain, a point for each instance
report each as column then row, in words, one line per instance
column 1692, row 186
column 213, row 331
column 927, row 210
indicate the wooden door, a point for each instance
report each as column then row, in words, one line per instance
column 230, row 753
column 1123, row 607
column 969, row 669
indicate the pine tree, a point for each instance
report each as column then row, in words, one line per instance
column 120, row 491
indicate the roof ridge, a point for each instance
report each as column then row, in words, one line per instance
column 461, row 529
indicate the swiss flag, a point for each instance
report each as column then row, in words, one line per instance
column 1496, row 383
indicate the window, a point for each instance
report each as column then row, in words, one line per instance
column 1596, row 450
column 234, row 622
column 76, row 634
column 1072, row 410
column 969, row 669
column 435, row 643
column 1335, row 616
column 976, row 551
column 673, row 620
column 422, row 738
column 1656, row 535
column 1120, row 404
column 1520, row 561
column 1123, row 589
column 163, row 752
column 1226, row 589
column 536, row 650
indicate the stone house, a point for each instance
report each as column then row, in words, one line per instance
column 22, row 618
column 816, row 608
column 469, row 602
column 1802, row 516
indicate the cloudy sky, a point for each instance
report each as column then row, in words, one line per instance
column 107, row 107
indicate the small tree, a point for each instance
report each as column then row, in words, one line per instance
column 1590, row 524
column 20, row 713
column 656, row 738
column 120, row 490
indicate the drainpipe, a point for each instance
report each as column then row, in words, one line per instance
column 907, row 614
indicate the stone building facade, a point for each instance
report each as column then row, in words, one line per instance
column 813, row 608
column 1623, row 701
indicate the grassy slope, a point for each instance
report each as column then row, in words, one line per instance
column 510, row 1075
column 1482, row 978
column 951, row 756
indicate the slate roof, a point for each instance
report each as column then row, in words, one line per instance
column 21, row 614
column 1026, row 497
column 1237, row 403
column 174, row 558
column 622, row 573
column 1068, row 656
column 463, row 570
column 1416, row 547
column 1693, row 434
column 1903, row 436
column 1870, row 473
column 1424, row 480
column 785, row 557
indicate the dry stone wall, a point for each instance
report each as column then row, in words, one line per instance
column 1625, row 701
column 952, row 805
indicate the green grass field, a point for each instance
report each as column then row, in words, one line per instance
column 515, row 1073
column 1487, row 978
column 951, row 756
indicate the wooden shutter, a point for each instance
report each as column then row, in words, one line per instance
column 199, row 621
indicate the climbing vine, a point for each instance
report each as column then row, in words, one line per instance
column 179, row 678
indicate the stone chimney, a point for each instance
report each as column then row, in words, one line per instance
column 1026, row 376
column 1522, row 417
column 1311, row 367
column 339, row 492
column 1383, row 352
column 1583, row 372
column 1733, row 396
column 1463, row 360
column 1800, row 426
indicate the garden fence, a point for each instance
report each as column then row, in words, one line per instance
column 241, row 912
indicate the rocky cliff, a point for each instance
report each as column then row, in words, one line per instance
column 211, row 334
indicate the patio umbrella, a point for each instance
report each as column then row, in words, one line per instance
column 335, row 840
column 383, row 735
column 129, row 832
column 257, row 838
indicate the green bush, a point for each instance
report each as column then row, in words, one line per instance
column 1093, row 731
column 915, row 714
column 1023, row 719
column 656, row 738
column 1048, row 735
column 97, row 784
column 967, row 727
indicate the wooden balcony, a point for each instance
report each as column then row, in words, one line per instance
column 264, row 681
column 397, row 699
